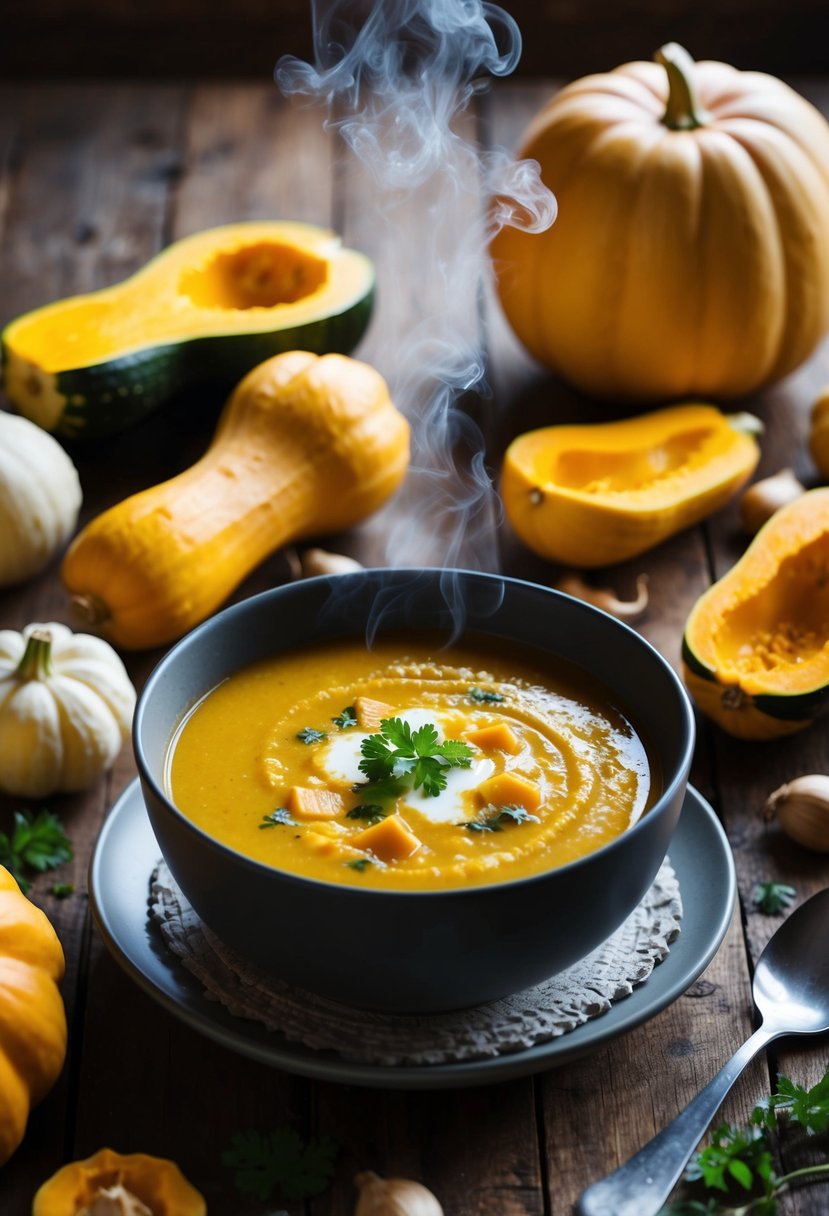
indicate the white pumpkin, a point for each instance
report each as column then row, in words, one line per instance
column 66, row 705
column 40, row 496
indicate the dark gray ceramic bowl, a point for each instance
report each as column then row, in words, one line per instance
column 415, row 951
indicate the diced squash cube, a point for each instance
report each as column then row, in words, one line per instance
column 498, row 736
column 505, row 789
column 307, row 803
column 370, row 713
column 390, row 840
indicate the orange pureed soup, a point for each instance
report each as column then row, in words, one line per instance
column 411, row 767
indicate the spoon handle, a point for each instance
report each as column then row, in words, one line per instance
column 641, row 1186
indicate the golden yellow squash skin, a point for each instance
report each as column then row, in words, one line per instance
column 155, row 1182
column 690, row 256
column 32, row 1017
column 306, row 445
column 599, row 493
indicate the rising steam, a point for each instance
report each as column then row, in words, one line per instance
column 396, row 80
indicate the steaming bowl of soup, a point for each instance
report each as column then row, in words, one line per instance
column 413, row 790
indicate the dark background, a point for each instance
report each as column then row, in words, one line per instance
column 181, row 39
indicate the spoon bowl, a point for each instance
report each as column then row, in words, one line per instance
column 791, row 993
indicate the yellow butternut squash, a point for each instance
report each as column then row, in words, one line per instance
column 305, row 445
column 599, row 493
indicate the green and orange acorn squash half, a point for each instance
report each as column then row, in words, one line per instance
column 208, row 308
column 755, row 650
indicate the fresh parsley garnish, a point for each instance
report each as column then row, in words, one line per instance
column 359, row 864
column 62, row 890
column 277, row 818
column 37, row 842
column 740, row 1160
column 773, row 897
column 484, row 696
column 495, row 818
column 280, row 1162
column 416, row 758
column 346, row 717
column 370, row 811
column 308, row 735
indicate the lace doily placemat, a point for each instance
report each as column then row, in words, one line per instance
column 515, row 1023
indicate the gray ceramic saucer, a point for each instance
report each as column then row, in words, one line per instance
column 119, row 876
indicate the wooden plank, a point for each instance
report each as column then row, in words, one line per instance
column 86, row 195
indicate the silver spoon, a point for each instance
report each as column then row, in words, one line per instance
column 791, row 992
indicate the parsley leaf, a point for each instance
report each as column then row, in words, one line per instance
column 62, row 890
column 773, row 897
column 416, row 758
column 308, row 735
column 37, row 842
column 277, row 818
column 360, row 864
column 280, row 1162
column 808, row 1107
column 346, row 717
column 734, row 1153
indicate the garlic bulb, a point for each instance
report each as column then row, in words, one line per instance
column 802, row 809
column 763, row 498
column 393, row 1197
column 602, row 597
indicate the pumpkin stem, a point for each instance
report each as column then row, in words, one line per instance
column 36, row 663
column 92, row 610
column 683, row 111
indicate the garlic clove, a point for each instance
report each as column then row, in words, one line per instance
column 763, row 498
column 393, row 1197
column 115, row 1201
column 602, row 597
column 801, row 807
column 319, row 561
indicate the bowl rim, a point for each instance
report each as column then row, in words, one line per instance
column 671, row 791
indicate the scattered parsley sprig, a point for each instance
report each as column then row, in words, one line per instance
column 280, row 1163
column 495, row 818
column 741, row 1159
column 773, row 897
column 36, row 843
column 399, row 758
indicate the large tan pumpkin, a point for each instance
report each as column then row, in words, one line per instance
column 690, row 256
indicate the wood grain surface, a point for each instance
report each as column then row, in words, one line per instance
column 95, row 178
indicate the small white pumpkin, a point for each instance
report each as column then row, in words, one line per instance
column 40, row 496
column 66, row 705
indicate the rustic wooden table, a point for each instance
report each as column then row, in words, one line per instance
column 95, row 178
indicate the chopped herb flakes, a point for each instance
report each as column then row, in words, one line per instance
column 62, row 890
column 308, row 735
column 484, row 696
column 359, row 864
column 496, row 818
column 370, row 811
column 277, row 818
column 346, row 717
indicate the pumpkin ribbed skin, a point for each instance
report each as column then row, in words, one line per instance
column 755, row 649
column 32, row 1018
column 306, row 445
column 682, row 263
column 156, row 1182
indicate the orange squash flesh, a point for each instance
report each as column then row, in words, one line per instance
column 158, row 1183
column 592, row 495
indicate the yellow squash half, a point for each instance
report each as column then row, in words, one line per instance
column 599, row 493
column 756, row 644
